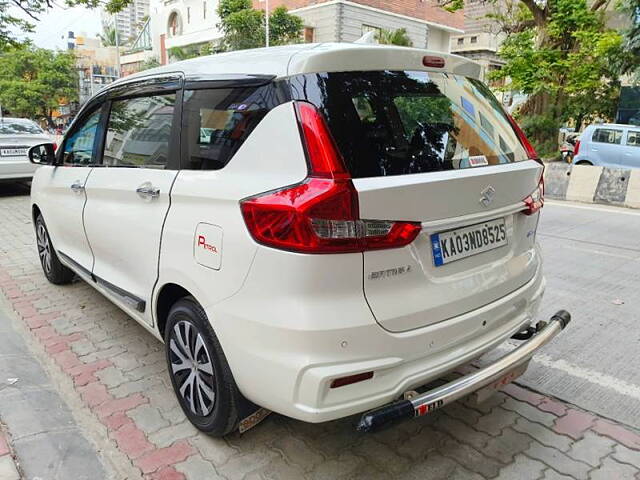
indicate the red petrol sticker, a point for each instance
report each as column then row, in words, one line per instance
column 202, row 242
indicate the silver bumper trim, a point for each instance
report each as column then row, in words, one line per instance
column 438, row 397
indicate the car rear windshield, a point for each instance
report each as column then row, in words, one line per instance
column 405, row 122
column 19, row 127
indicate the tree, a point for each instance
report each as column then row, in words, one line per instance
column 243, row 27
column 35, row 80
column 563, row 56
column 630, row 62
column 12, row 13
column 394, row 37
column 108, row 36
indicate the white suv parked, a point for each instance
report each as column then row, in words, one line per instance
column 314, row 229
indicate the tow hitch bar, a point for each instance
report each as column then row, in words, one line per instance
column 432, row 400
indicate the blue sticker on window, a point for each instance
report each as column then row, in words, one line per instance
column 468, row 106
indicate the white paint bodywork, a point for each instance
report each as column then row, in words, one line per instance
column 290, row 323
column 19, row 167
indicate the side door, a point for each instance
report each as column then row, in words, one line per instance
column 631, row 150
column 61, row 193
column 606, row 147
column 128, row 195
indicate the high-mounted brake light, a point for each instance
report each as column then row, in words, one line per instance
column 433, row 61
column 321, row 214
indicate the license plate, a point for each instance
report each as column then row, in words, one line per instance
column 463, row 242
column 13, row 152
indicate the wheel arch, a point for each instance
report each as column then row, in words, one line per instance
column 168, row 295
column 35, row 211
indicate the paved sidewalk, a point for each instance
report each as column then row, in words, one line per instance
column 8, row 467
column 45, row 437
column 115, row 371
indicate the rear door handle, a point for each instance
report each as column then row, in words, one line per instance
column 77, row 186
column 146, row 190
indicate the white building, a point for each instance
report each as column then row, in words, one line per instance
column 182, row 23
column 129, row 20
column 190, row 24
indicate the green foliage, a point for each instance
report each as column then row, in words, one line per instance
column 394, row 37
column 284, row 28
column 244, row 27
column 108, row 36
column 543, row 127
column 564, row 57
column 35, row 80
column 184, row 53
column 151, row 63
column 629, row 62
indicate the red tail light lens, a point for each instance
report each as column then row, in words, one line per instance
column 535, row 201
column 576, row 149
column 531, row 152
column 321, row 214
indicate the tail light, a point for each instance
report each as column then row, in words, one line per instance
column 535, row 201
column 321, row 214
column 55, row 146
column 576, row 149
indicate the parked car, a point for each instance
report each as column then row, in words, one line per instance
column 354, row 222
column 609, row 145
column 17, row 135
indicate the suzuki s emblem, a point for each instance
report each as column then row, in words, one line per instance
column 487, row 195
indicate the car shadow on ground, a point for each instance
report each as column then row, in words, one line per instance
column 14, row 189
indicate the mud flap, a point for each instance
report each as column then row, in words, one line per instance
column 251, row 414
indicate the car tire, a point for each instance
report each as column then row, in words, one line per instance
column 188, row 335
column 55, row 271
column 584, row 162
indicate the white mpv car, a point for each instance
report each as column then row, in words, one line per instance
column 315, row 230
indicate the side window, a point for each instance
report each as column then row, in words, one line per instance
column 216, row 122
column 138, row 132
column 607, row 135
column 633, row 138
column 78, row 146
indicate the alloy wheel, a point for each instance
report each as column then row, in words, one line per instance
column 44, row 247
column 192, row 368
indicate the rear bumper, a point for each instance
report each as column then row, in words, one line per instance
column 18, row 169
column 286, row 348
column 439, row 397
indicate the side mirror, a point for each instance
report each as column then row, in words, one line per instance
column 43, row 154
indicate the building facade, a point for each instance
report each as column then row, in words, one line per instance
column 187, row 25
column 129, row 21
column 427, row 24
column 482, row 38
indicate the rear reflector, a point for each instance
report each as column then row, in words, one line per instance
column 321, row 214
column 433, row 61
column 359, row 377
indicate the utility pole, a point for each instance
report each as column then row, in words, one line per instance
column 115, row 28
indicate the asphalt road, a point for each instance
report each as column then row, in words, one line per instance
column 592, row 266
